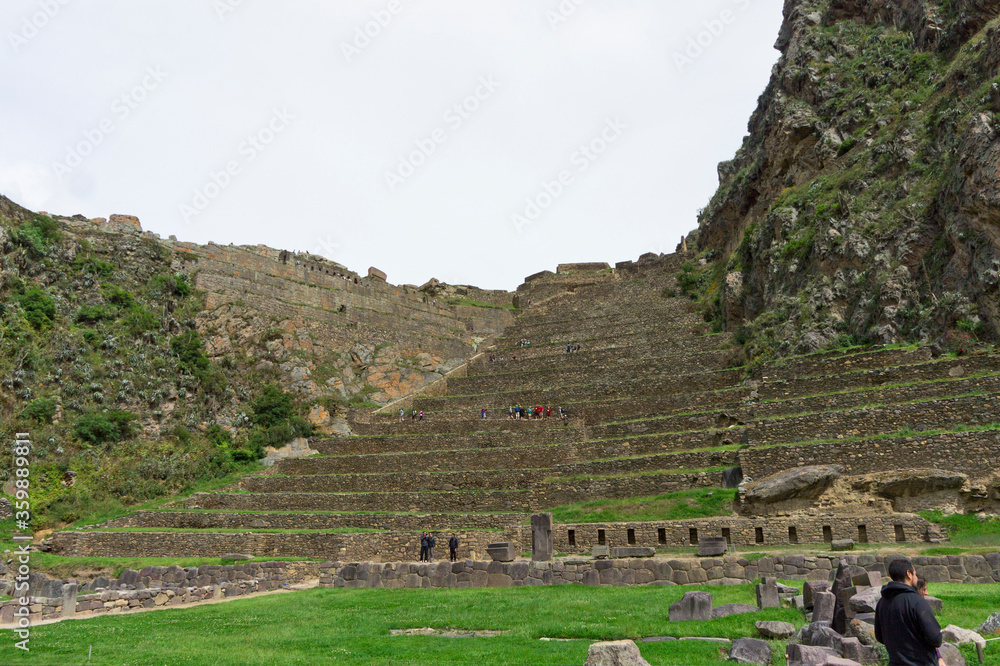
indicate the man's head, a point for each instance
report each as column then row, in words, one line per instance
column 902, row 571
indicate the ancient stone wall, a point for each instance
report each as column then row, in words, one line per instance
column 155, row 587
column 957, row 452
column 720, row 570
column 371, row 546
column 581, row 538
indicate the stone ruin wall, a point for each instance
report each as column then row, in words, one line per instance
column 633, row 572
column 153, row 587
column 570, row 539
column 963, row 452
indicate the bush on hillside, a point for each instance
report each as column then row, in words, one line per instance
column 104, row 427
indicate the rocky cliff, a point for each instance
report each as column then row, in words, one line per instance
column 141, row 366
column 864, row 205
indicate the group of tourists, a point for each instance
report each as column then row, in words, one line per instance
column 495, row 359
column 414, row 415
column 525, row 342
column 571, row 348
column 427, row 543
column 517, row 412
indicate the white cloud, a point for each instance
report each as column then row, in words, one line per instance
column 325, row 177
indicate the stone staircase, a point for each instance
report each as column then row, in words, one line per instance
column 652, row 408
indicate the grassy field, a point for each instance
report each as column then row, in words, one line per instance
column 353, row 627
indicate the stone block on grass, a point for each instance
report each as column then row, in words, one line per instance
column 767, row 596
column 774, row 629
column 750, row 651
column 615, row 653
column 692, row 606
column 712, row 546
column 502, row 551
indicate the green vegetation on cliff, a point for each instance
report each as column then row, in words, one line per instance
column 101, row 363
column 862, row 206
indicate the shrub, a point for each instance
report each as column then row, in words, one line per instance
column 166, row 286
column 42, row 410
column 39, row 308
column 118, row 296
column 187, row 346
column 93, row 265
column 273, row 407
column 100, row 428
column 182, row 435
column 37, row 236
column 139, row 320
column 92, row 314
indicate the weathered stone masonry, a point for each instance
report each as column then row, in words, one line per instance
column 719, row 571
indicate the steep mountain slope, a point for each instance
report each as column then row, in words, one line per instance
column 865, row 203
column 141, row 366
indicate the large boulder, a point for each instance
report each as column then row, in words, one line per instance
column 798, row 483
column 952, row 655
column 775, row 629
column 750, row 651
column 841, row 581
column 959, row 636
column 614, row 653
column 991, row 625
column 692, row 606
column 866, row 600
column 807, row 655
column 863, row 631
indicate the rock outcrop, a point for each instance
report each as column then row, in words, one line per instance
column 864, row 203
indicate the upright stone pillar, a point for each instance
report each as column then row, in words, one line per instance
column 69, row 600
column 541, row 537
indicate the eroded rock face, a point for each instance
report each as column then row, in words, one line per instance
column 904, row 485
column 797, row 235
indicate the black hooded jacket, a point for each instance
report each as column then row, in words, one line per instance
column 905, row 624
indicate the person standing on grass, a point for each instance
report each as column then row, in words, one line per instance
column 453, row 547
column 904, row 622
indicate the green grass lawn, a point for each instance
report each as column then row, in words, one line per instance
column 353, row 627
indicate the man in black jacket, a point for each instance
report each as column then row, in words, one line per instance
column 431, row 542
column 423, row 547
column 453, row 547
column 904, row 622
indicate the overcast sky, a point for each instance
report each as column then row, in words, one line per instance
column 476, row 141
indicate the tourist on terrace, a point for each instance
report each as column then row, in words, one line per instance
column 401, row 415
column 431, row 542
column 453, row 547
column 482, row 413
column 423, row 546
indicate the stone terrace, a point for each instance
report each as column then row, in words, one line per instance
column 652, row 408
